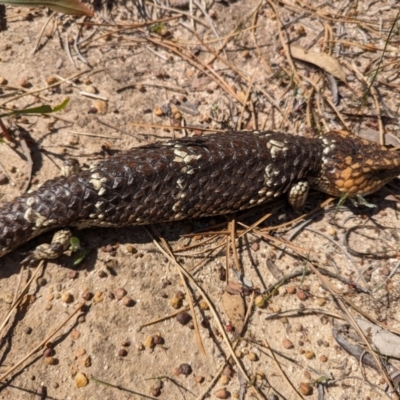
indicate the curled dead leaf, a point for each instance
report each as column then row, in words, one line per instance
column 322, row 60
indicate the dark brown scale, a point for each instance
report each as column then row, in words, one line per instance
column 195, row 177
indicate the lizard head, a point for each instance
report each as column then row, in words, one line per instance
column 354, row 166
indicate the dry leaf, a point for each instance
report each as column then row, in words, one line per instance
column 325, row 61
column 235, row 311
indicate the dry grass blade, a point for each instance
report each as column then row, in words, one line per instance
column 183, row 278
column 341, row 299
column 19, row 297
column 278, row 365
column 41, row 344
column 170, row 256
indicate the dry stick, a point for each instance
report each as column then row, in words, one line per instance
column 210, row 41
column 374, row 96
column 209, row 20
column 285, row 45
column 196, row 62
column 42, row 31
column 68, row 50
column 156, row 321
column 191, row 305
column 19, row 298
column 125, row 28
column 160, row 126
column 246, row 78
column 221, row 370
column 232, row 239
column 50, row 86
column 181, row 12
column 171, row 257
column 318, row 14
column 41, row 344
column 246, row 99
column 340, row 299
column 254, row 25
column 280, row 369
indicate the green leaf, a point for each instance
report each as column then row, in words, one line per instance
column 44, row 109
column 71, row 7
column 75, row 244
column 81, row 256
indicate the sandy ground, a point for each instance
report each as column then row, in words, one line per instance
column 153, row 66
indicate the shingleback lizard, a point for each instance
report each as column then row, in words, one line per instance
column 198, row 177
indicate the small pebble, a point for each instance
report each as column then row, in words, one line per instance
column 24, row 83
column 102, row 274
column 85, row 361
column 323, row 358
column 67, row 297
column 309, row 355
column 291, row 290
column 320, row 301
column 222, row 394
column 120, row 293
column 158, row 111
column 305, row 389
column 332, row 232
column 297, row 326
column 122, row 353
column 48, row 352
column 81, row 380
column 302, row 295
column 199, row 379
column 260, row 302
column 42, row 281
column 204, row 305
column 51, row 361
column 3, row 179
column 307, row 375
column 299, row 29
column 183, row 318
column 224, row 380
column 128, row 301
column 73, row 274
column 3, row 81
column 175, row 302
column 149, row 342
column 252, row 356
column 75, row 334
column 51, row 80
column 130, row 249
column 28, row 330
column 255, row 246
column 98, row 296
column 228, row 371
column 275, row 308
column 91, row 89
column 101, row 106
column 158, row 339
column 87, row 295
column 185, row 369
column 287, row 344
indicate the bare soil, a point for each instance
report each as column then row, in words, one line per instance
column 212, row 66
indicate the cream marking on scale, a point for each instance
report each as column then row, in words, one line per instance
column 276, row 143
column 96, row 183
column 101, row 191
column 33, row 217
